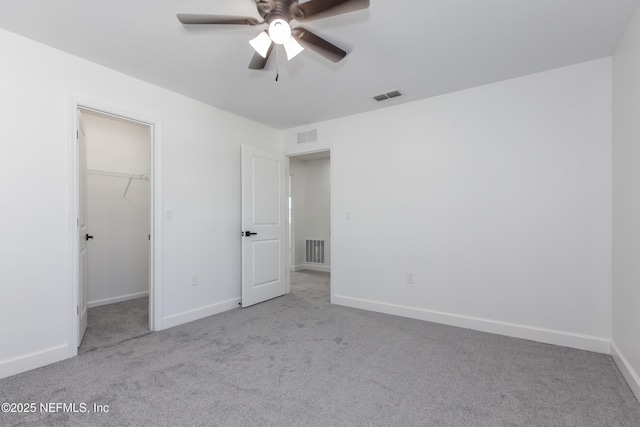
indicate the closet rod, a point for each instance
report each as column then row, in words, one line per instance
column 130, row 176
column 118, row 174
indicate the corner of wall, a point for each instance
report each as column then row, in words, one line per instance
column 629, row 374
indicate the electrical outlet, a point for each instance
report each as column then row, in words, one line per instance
column 410, row 277
column 195, row 279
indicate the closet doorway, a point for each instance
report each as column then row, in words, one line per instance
column 310, row 212
column 116, row 208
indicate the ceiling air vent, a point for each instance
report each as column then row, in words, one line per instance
column 308, row 136
column 388, row 95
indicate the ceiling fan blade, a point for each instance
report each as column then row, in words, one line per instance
column 190, row 18
column 317, row 9
column 258, row 62
column 318, row 44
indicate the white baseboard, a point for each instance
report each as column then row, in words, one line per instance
column 113, row 300
column 629, row 374
column 199, row 313
column 548, row 336
column 35, row 360
column 313, row 267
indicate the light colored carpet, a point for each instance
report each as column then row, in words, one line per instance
column 297, row 361
column 112, row 324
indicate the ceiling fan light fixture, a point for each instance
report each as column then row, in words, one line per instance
column 279, row 31
column 292, row 47
column 261, row 43
column 278, row 14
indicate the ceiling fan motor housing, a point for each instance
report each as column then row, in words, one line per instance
column 279, row 9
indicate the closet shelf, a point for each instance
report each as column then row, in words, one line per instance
column 129, row 176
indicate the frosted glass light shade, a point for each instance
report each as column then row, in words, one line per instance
column 280, row 31
column 292, row 47
column 261, row 44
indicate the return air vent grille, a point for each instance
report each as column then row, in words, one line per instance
column 315, row 251
column 308, row 136
column 388, row 95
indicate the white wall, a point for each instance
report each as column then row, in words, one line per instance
column 318, row 213
column 626, row 205
column 118, row 255
column 298, row 174
column 200, row 174
column 498, row 198
column 311, row 188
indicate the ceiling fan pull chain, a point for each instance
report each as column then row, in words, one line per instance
column 277, row 63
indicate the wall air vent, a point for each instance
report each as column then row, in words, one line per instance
column 314, row 251
column 308, row 136
column 388, row 95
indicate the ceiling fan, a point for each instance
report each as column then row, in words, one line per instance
column 278, row 14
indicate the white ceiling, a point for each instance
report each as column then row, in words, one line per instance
column 421, row 47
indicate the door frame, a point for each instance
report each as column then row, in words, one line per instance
column 302, row 152
column 155, row 178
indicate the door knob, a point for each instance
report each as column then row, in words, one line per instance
column 87, row 237
column 248, row 233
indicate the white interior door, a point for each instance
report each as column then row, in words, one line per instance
column 83, row 235
column 264, row 225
